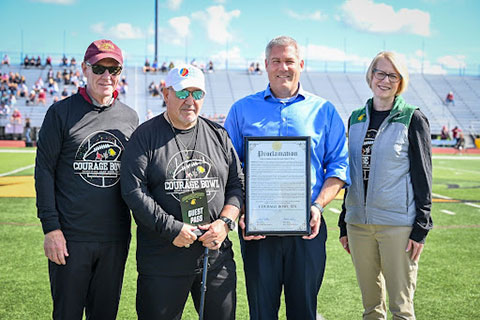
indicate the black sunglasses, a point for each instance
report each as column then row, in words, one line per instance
column 99, row 69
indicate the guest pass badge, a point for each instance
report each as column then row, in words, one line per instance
column 194, row 207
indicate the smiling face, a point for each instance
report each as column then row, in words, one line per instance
column 183, row 113
column 384, row 90
column 101, row 86
column 284, row 67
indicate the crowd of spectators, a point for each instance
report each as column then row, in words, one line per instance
column 164, row 68
column 37, row 62
column 12, row 85
column 254, row 68
column 6, row 60
column 14, row 88
column 147, row 67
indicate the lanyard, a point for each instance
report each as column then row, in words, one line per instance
column 179, row 142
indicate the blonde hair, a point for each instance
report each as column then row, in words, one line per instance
column 398, row 65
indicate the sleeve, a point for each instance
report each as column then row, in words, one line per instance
column 235, row 184
column 134, row 184
column 341, row 219
column 48, row 151
column 420, row 155
column 335, row 159
column 233, row 128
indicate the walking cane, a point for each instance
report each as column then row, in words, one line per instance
column 203, row 286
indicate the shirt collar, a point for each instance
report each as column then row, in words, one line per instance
column 268, row 93
column 83, row 92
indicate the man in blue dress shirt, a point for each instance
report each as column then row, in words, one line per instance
column 284, row 109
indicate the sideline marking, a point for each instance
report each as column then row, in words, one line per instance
column 441, row 197
column 17, row 150
column 334, row 210
column 453, row 169
column 320, row 317
column 17, row 170
column 472, row 205
column 456, row 158
column 448, row 212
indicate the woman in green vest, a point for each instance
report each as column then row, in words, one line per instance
column 386, row 210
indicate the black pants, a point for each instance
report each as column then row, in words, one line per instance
column 164, row 297
column 290, row 263
column 91, row 280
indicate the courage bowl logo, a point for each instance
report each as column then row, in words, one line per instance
column 187, row 175
column 97, row 159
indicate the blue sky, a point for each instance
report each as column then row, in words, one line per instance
column 437, row 34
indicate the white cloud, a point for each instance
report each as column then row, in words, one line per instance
column 316, row 16
column 178, row 28
column 119, row 31
column 151, row 29
column 323, row 53
column 454, row 62
column 420, row 53
column 174, row 4
column 98, row 27
column 180, row 25
column 374, row 17
column 235, row 58
column 63, row 2
column 150, row 48
column 414, row 64
column 216, row 21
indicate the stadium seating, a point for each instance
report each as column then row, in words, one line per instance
column 346, row 91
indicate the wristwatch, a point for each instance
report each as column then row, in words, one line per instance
column 229, row 222
column 318, row 206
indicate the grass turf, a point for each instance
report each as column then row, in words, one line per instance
column 448, row 284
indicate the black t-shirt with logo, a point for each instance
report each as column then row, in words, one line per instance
column 376, row 119
column 77, row 169
column 157, row 169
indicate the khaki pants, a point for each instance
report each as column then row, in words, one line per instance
column 381, row 263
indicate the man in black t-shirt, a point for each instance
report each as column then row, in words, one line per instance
column 178, row 170
column 84, row 218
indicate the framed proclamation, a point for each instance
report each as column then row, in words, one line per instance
column 277, row 175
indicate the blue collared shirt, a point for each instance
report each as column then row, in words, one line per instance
column 262, row 114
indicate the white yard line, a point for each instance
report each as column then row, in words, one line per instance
column 334, row 210
column 448, row 198
column 448, row 212
column 456, row 158
column 472, row 205
column 455, row 169
column 18, row 150
column 16, row 170
column 441, row 197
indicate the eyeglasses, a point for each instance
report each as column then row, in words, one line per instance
column 183, row 94
column 99, row 69
column 380, row 75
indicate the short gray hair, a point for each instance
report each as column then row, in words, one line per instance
column 282, row 41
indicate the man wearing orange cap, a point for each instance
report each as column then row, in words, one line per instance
column 84, row 219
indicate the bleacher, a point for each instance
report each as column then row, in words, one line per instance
column 347, row 91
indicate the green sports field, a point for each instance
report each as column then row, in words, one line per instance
column 448, row 283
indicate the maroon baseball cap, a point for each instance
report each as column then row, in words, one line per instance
column 101, row 49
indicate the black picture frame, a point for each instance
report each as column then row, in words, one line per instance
column 268, row 169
